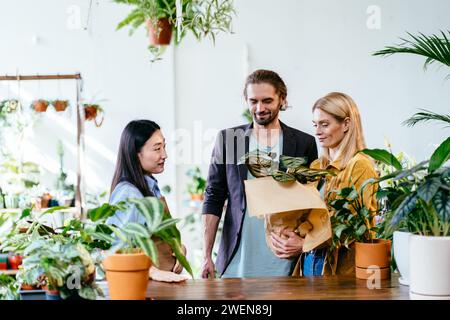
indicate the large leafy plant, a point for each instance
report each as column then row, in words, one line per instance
column 203, row 18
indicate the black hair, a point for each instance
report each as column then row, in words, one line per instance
column 128, row 167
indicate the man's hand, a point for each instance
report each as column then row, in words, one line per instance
column 287, row 248
column 208, row 268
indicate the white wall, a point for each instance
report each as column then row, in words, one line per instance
column 316, row 46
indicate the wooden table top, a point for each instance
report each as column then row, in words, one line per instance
column 278, row 288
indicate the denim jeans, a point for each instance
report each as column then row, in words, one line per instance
column 313, row 262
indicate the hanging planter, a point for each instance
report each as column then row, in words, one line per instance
column 204, row 18
column 91, row 112
column 40, row 105
column 159, row 33
column 60, row 105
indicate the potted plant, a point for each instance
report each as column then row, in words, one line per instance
column 40, row 105
column 60, row 105
column 91, row 111
column 204, row 18
column 196, row 187
column 129, row 259
column 353, row 226
column 426, row 206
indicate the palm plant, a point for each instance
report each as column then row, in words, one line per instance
column 434, row 48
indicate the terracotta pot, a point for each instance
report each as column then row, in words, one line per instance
column 162, row 35
column 127, row 276
column 40, row 106
column 60, row 105
column 197, row 197
column 370, row 257
column 25, row 286
column 90, row 112
column 15, row 261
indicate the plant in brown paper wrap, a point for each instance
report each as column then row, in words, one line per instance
column 294, row 204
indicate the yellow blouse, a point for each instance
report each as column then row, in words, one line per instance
column 356, row 172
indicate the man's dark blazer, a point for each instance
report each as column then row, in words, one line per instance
column 226, row 180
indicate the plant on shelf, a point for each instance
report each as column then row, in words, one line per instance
column 197, row 185
column 60, row 105
column 8, row 288
column 204, row 18
column 68, row 267
column 40, row 105
column 353, row 224
column 135, row 245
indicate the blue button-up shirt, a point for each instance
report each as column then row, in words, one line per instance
column 126, row 190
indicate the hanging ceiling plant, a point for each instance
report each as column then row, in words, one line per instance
column 40, row 105
column 204, row 18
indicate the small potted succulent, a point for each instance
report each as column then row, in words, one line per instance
column 60, row 105
column 40, row 105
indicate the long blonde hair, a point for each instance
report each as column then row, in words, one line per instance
column 341, row 106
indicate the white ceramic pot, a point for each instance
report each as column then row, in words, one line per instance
column 401, row 255
column 429, row 267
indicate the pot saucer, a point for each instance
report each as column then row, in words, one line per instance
column 403, row 281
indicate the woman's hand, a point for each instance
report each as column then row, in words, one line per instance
column 287, row 248
column 166, row 276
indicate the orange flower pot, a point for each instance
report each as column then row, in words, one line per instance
column 60, row 105
column 90, row 112
column 163, row 33
column 197, row 197
column 127, row 276
column 40, row 105
column 370, row 257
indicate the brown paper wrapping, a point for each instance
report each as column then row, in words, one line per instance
column 286, row 206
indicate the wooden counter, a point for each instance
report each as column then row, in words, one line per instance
column 277, row 288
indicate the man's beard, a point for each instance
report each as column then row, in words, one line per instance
column 268, row 120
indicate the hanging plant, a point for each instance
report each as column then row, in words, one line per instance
column 60, row 105
column 204, row 18
column 9, row 106
column 91, row 112
column 40, row 105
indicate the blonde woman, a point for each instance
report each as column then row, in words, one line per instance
column 337, row 124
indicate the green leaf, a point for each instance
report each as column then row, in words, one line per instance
column 383, row 156
column 136, row 229
column 441, row 203
column 166, row 224
column 440, row 156
column 407, row 205
column 148, row 246
column 339, row 229
column 361, row 230
column 428, row 189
